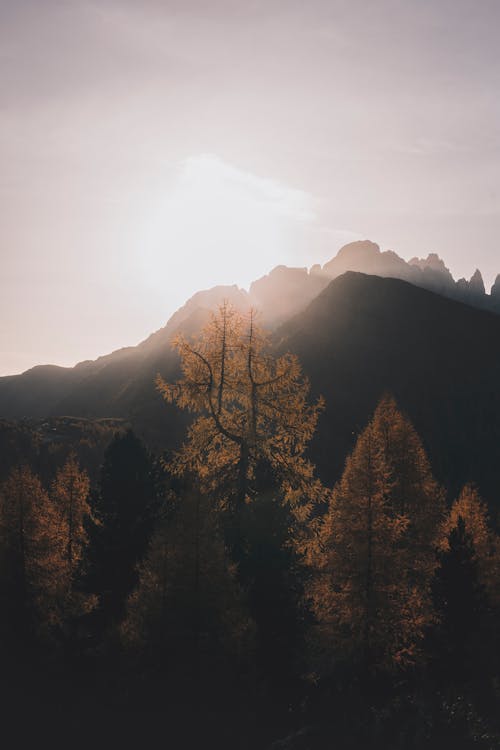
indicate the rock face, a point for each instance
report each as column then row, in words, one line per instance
column 429, row 273
column 495, row 294
column 476, row 283
column 286, row 291
column 365, row 256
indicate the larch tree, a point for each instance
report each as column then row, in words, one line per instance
column 32, row 552
column 357, row 593
column 471, row 510
column 252, row 406
column 69, row 494
column 376, row 551
column 246, row 451
column 415, row 494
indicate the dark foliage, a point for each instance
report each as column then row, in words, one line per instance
column 126, row 506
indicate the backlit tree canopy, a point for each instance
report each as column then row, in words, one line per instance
column 253, row 407
column 377, row 546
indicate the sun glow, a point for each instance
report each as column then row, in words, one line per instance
column 219, row 224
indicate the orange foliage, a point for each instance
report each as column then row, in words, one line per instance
column 252, row 406
column 486, row 544
column 376, row 550
column 32, row 552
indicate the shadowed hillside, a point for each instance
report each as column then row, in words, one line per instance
column 365, row 335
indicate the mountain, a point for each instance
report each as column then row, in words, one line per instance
column 292, row 289
column 360, row 337
column 112, row 385
column 365, row 335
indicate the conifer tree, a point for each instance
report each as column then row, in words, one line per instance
column 471, row 510
column 252, row 411
column 414, row 493
column 69, row 494
column 32, row 555
column 251, row 406
column 462, row 606
column 126, row 506
column 187, row 606
column 376, row 551
column 273, row 574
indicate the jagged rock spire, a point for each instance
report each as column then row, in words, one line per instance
column 495, row 289
column 476, row 283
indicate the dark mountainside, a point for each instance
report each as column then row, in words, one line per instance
column 362, row 336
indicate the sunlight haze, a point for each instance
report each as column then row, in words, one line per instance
column 150, row 149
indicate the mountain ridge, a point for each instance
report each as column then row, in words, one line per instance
column 285, row 290
column 114, row 384
column 361, row 337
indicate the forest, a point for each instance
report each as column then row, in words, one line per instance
column 221, row 594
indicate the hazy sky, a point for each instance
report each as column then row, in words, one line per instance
column 151, row 148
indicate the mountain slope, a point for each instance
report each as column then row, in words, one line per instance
column 109, row 385
column 285, row 291
column 364, row 335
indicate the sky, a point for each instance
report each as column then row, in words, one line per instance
column 149, row 149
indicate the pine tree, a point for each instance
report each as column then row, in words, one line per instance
column 375, row 556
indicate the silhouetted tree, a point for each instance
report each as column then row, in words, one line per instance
column 187, row 610
column 272, row 571
column 461, row 605
column 126, row 507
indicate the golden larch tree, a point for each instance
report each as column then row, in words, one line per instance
column 415, row 494
column 375, row 555
column 69, row 493
column 252, row 406
column 485, row 542
column 32, row 552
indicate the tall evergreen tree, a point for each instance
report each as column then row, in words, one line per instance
column 126, row 508
column 462, row 607
column 273, row 574
column 187, row 610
